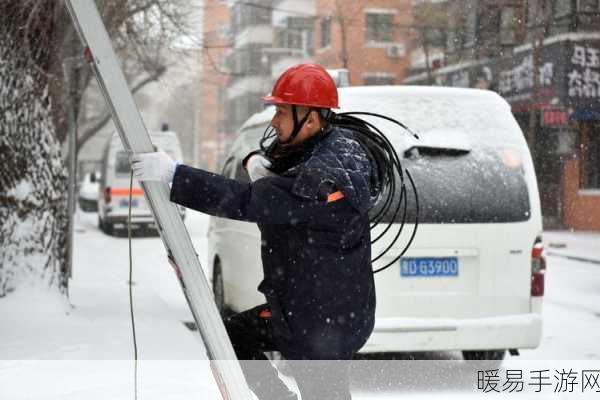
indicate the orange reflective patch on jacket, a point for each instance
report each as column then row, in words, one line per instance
column 266, row 313
column 335, row 196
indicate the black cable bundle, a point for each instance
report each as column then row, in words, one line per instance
column 388, row 168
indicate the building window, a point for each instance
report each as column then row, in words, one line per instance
column 562, row 8
column 379, row 27
column 435, row 37
column 378, row 78
column 325, row 31
column 590, row 6
column 297, row 34
column 224, row 32
column 452, row 41
column 291, row 39
column 591, row 159
column 507, row 26
column 244, row 14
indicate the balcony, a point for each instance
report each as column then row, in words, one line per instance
column 285, row 58
column 254, row 35
column 283, row 9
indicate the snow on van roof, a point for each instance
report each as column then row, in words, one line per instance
column 355, row 96
column 480, row 115
column 418, row 90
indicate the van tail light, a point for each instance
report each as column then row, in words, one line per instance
column 107, row 195
column 538, row 268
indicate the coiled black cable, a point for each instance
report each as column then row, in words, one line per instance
column 388, row 161
column 389, row 170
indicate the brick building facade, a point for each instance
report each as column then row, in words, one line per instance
column 212, row 116
column 543, row 57
column 248, row 44
column 369, row 38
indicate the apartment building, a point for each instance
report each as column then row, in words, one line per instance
column 213, row 117
column 264, row 37
column 368, row 38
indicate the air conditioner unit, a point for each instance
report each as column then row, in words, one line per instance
column 396, row 50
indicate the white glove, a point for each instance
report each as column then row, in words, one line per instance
column 153, row 166
column 258, row 167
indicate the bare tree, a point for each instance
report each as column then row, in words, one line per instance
column 430, row 24
column 345, row 23
column 42, row 81
column 90, row 126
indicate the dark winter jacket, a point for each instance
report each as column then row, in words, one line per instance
column 316, row 254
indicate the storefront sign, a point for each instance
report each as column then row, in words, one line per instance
column 584, row 75
column 520, row 77
column 568, row 73
column 554, row 117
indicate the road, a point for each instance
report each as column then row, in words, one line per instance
column 571, row 303
column 98, row 328
column 571, row 321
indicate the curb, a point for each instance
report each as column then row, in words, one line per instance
column 575, row 258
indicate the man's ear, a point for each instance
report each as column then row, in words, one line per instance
column 313, row 119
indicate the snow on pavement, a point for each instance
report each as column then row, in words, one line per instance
column 97, row 323
column 572, row 244
column 96, row 326
column 571, row 307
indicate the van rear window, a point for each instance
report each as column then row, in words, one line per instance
column 476, row 187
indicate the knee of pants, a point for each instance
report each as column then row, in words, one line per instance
column 233, row 332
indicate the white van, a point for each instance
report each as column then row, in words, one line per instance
column 473, row 278
column 113, row 196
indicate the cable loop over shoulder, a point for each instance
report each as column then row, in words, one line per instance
column 390, row 185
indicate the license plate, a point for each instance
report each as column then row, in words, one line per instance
column 428, row 266
column 125, row 203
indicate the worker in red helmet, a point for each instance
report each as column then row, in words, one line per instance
column 310, row 193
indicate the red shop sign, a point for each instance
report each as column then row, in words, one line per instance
column 554, row 116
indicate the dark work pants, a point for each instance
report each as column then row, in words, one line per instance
column 251, row 335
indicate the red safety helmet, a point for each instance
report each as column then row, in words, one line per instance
column 306, row 85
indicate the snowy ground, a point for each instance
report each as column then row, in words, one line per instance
column 97, row 325
column 572, row 298
column 37, row 330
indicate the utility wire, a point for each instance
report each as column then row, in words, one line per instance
column 135, row 350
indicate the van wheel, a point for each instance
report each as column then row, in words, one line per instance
column 218, row 287
column 497, row 355
column 105, row 227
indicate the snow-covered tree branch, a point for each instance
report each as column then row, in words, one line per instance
column 43, row 78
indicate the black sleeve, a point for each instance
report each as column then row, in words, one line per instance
column 268, row 200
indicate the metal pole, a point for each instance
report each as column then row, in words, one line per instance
column 135, row 138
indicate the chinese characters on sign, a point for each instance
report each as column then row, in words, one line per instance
column 552, row 117
column 584, row 78
column 560, row 381
column 520, row 77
